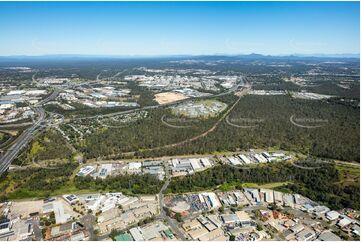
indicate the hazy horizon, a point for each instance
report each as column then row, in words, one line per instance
column 316, row 55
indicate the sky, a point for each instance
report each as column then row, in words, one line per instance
column 179, row 28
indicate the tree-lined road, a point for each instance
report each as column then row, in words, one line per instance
column 163, row 215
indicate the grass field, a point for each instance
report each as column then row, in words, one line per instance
column 349, row 173
column 238, row 185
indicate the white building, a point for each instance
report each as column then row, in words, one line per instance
column 260, row 158
column 7, row 105
column 35, row 92
column 288, row 200
column 252, row 194
column 16, row 92
column 85, row 171
column 60, row 215
column 205, row 162
column 277, row 197
column 5, row 226
column 245, row 159
column 332, row 215
column 195, row 164
column 71, row 199
column 344, row 222
column 137, row 234
column 105, row 170
column 212, row 199
column 134, row 165
column 320, row 210
column 268, row 196
column 234, row 161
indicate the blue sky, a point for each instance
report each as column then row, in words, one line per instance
column 166, row 28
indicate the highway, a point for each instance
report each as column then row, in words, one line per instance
column 52, row 96
column 242, row 83
column 26, row 136
column 21, row 142
column 12, row 125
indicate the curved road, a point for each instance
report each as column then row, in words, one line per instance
column 26, row 136
column 241, row 83
column 171, row 125
column 304, row 126
column 21, row 142
column 244, row 91
column 202, row 134
column 240, row 126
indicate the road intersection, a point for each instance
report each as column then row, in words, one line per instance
column 27, row 135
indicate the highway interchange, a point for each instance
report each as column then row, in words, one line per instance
column 22, row 141
column 44, row 121
column 28, row 134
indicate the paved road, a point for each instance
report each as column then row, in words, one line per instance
column 26, row 136
column 242, row 82
column 15, row 125
column 36, row 229
column 52, row 96
column 171, row 222
column 98, row 76
column 243, row 92
column 88, row 221
column 21, row 142
column 171, row 125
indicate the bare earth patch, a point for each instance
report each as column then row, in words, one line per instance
column 168, row 97
column 181, row 207
column 24, row 208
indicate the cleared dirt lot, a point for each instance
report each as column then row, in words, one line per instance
column 24, row 208
column 168, row 97
column 181, row 207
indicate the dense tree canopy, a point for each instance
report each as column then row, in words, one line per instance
column 133, row 184
column 321, row 184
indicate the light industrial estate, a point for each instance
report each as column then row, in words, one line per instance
column 213, row 148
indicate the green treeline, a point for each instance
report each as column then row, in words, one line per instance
column 337, row 139
column 129, row 184
column 325, row 183
column 35, row 182
column 47, row 146
column 142, row 134
column 320, row 184
column 4, row 137
column 44, row 182
column 323, row 85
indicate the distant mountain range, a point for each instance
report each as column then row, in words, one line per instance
column 211, row 56
column 330, row 55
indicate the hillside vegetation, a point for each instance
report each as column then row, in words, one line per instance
column 323, row 184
